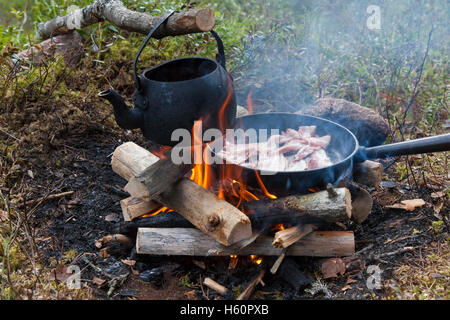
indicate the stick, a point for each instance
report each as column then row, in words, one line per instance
column 291, row 208
column 51, row 196
column 190, row 21
column 251, row 287
column 210, row 283
column 192, row 242
column 278, row 262
column 285, row 238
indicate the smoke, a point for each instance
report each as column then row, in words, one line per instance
column 357, row 50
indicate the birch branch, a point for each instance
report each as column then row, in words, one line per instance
column 190, row 21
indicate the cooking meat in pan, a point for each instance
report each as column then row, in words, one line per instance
column 292, row 150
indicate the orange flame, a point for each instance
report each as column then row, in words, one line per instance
column 255, row 259
column 250, row 102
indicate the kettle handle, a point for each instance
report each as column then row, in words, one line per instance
column 220, row 57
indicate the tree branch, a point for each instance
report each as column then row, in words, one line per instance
column 190, row 21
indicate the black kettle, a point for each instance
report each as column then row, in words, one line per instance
column 175, row 94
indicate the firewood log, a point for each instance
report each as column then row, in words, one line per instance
column 369, row 173
column 316, row 205
column 216, row 217
column 192, row 242
column 135, row 207
column 287, row 237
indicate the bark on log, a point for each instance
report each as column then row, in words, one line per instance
column 192, row 242
column 190, row 21
column 362, row 203
column 316, row 205
column 287, row 237
column 212, row 215
column 69, row 46
column 369, row 173
column 368, row 126
column 162, row 175
column 135, row 207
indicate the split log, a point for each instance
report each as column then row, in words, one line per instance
column 135, row 207
column 287, row 237
column 210, row 283
column 295, row 207
column 214, row 216
column 362, row 202
column 369, row 173
column 161, row 175
column 190, row 21
column 192, row 242
column 369, row 127
column 69, row 46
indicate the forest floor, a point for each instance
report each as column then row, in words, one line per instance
column 57, row 136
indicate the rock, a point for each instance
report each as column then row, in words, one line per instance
column 154, row 276
column 368, row 126
column 116, row 268
column 69, row 45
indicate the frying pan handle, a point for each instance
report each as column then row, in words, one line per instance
column 424, row 145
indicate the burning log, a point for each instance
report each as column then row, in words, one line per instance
column 369, row 173
column 287, row 237
column 293, row 208
column 161, row 220
column 192, row 242
column 202, row 208
column 135, row 207
column 190, row 21
column 212, row 215
column 291, row 274
column 161, row 176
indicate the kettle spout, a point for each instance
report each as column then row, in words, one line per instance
column 126, row 118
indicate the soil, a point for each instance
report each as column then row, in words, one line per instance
column 81, row 163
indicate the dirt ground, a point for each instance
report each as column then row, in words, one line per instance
column 82, row 164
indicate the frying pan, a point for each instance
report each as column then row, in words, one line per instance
column 343, row 150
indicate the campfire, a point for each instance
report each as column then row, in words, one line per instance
column 202, row 209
